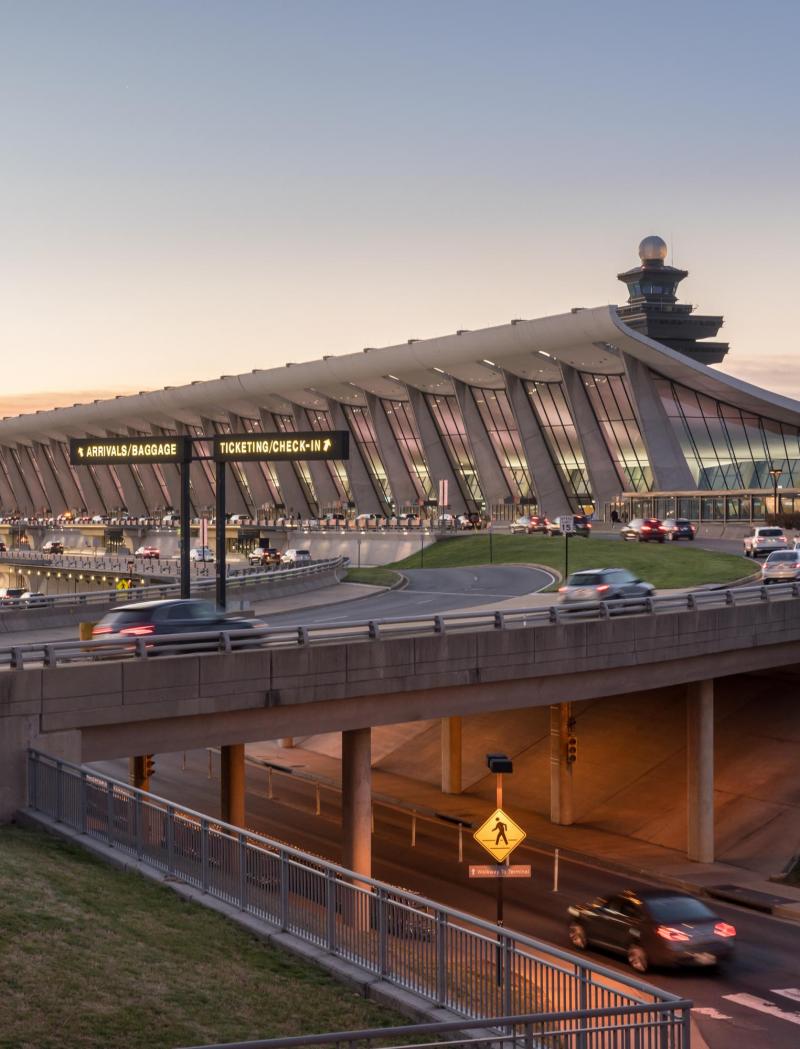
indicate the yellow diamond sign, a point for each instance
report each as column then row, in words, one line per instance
column 499, row 835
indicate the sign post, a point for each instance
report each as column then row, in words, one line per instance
column 567, row 523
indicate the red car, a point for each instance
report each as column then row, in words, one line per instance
column 148, row 552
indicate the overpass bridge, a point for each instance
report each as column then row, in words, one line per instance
column 87, row 702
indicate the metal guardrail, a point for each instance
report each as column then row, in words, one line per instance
column 57, row 653
column 445, row 956
column 659, row 1026
column 155, row 591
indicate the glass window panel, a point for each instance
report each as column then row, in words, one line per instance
column 495, row 411
column 362, row 429
column 550, row 405
column 403, row 424
column 447, row 416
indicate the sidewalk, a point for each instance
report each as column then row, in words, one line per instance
column 629, row 856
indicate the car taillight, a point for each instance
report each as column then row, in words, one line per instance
column 588, row 524
column 138, row 631
column 563, row 589
column 723, row 929
column 100, row 630
column 667, row 932
column 693, row 528
column 645, row 528
column 602, row 588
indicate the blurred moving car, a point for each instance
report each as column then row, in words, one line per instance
column 148, row 552
column 781, row 566
column 529, row 524
column 581, row 525
column 603, row 584
column 53, row 546
column 763, row 540
column 264, row 556
column 653, row 927
column 679, row 528
column 175, row 616
column 3, row 548
column 296, row 557
column 10, row 595
column 645, row 529
column 32, row 599
column 201, row 553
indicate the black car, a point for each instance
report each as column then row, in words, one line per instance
column 679, row 528
column 653, row 927
column 178, row 616
column 645, row 529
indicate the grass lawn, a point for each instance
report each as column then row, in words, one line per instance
column 664, row 565
column 95, row 957
column 373, row 576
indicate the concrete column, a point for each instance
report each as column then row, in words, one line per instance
column 700, row 770
column 436, row 456
column 232, row 780
column 139, row 771
column 357, row 800
column 451, row 755
column 490, row 474
column 560, row 768
column 362, row 489
column 287, row 742
column 400, row 482
column 547, row 480
column 603, row 477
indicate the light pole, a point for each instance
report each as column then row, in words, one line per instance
column 775, row 473
column 499, row 764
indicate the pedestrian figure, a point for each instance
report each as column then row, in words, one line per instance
column 501, row 829
column 614, row 518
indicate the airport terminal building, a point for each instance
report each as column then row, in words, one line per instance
column 611, row 406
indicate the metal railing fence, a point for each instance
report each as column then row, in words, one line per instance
column 240, row 578
column 657, row 1026
column 56, row 653
column 445, row 956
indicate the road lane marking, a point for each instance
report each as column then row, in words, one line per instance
column 715, row 1014
column 761, row 1005
column 788, row 992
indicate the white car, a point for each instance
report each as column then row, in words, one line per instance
column 763, row 540
column 782, row 566
column 201, row 553
column 296, row 557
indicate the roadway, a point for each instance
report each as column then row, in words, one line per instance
column 429, row 591
column 736, row 1008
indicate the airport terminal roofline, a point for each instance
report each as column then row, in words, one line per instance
column 588, row 340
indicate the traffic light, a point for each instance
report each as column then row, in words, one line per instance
column 572, row 749
column 149, row 766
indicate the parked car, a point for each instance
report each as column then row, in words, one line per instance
column 201, row 553
column 679, row 528
column 150, row 553
column 53, row 546
column 645, row 530
column 174, row 616
column 781, row 566
column 763, row 540
column 581, row 525
column 3, row 548
column 603, row 584
column 269, row 556
column 33, row 599
column 296, row 557
column 653, row 927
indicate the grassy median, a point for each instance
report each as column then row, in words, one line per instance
column 665, row 565
column 94, row 957
column 372, row 576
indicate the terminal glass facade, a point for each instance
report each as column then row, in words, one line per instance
column 321, row 420
column 285, row 424
column 611, row 404
column 727, row 448
column 450, row 424
column 404, row 428
column 550, row 405
column 361, row 428
column 266, row 469
column 498, row 418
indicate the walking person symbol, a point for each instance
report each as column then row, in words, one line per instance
column 501, row 829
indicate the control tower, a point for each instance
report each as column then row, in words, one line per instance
column 653, row 308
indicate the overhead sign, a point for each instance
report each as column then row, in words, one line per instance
column 499, row 870
column 499, row 835
column 313, row 444
column 86, row 451
column 567, row 524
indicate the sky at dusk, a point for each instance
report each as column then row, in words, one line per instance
column 191, row 188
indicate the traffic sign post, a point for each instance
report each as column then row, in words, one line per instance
column 567, row 523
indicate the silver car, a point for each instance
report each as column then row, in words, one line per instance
column 604, row 584
column 782, row 566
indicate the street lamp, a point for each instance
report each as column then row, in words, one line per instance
column 775, row 473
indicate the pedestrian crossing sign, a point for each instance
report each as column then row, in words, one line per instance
column 499, row 835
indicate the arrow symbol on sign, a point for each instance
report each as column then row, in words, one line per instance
column 80, row 452
column 327, row 444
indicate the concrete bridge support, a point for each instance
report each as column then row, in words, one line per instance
column 232, row 784
column 451, row 755
column 560, row 768
column 357, row 800
column 700, row 770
